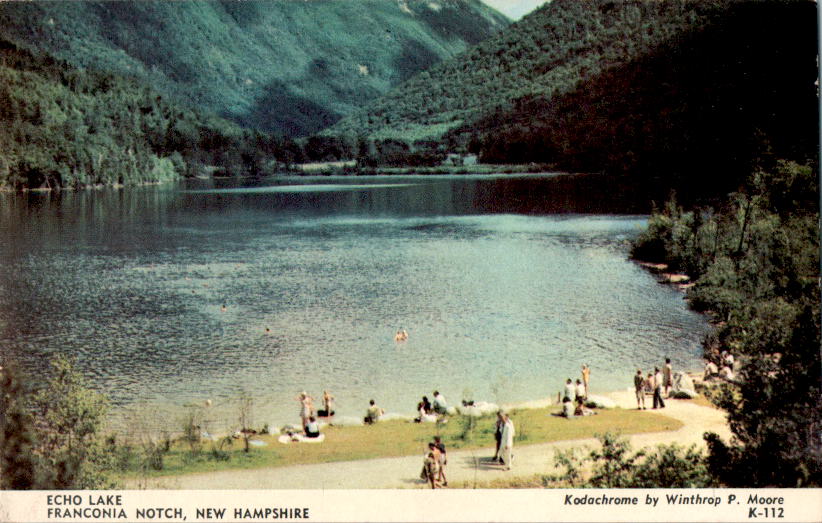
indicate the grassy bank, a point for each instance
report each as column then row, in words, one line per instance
column 402, row 438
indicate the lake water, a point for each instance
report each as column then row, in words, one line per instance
column 506, row 285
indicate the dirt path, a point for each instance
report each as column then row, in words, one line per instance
column 463, row 466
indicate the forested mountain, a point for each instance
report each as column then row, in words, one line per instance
column 290, row 67
column 702, row 109
column 65, row 127
column 686, row 88
column 549, row 52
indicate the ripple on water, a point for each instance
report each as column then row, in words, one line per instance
column 502, row 307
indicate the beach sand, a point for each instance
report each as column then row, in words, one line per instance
column 465, row 466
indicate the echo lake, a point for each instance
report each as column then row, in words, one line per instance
column 204, row 290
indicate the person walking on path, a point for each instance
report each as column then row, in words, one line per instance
column 586, row 377
column 443, row 460
column 430, row 469
column 668, row 377
column 498, row 435
column 658, row 389
column 507, row 443
column 639, row 387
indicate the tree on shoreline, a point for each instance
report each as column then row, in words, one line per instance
column 61, row 447
column 756, row 266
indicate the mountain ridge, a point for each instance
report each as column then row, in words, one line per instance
column 284, row 67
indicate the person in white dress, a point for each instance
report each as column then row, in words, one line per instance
column 507, row 441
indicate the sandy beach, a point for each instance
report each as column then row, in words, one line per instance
column 466, row 467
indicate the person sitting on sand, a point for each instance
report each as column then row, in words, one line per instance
column 579, row 391
column 312, row 430
column 424, row 417
column 726, row 373
column 711, row 369
column 567, row 408
column 581, row 410
column 373, row 414
column 570, row 391
column 649, row 383
column 427, row 405
column 440, row 406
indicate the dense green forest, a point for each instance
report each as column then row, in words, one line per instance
column 697, row 110
column 682, row 93
column 547, row 53
column 285, row 67
column 66, row 127
column 755, row 261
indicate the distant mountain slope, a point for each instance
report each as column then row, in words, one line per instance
column 549, row 52
column 63, row 127
column 285, row 66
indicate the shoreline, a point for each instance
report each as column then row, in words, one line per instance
column 465, row 466
column 120, row 419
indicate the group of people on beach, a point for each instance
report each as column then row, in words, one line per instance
column 656, row 383
column 575, row 395
column 724, row 370
column 429, row 412
column 308, row 415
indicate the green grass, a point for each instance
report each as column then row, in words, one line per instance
column 402, row 438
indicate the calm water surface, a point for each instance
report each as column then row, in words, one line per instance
column 505, row 284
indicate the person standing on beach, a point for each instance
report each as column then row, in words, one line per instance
column 639, row 387
column 507, row 443
column 658, row 389
column 586, row 376
column 668, row 377
column 328, row 403
column 306, row 408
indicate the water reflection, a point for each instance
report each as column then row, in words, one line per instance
column 506, row 287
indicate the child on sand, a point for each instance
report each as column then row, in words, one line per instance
column 639, row 386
